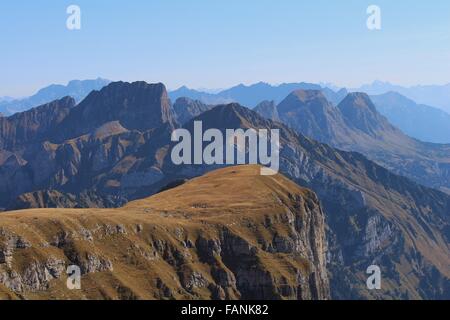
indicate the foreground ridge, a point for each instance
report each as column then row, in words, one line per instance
column 184, row 243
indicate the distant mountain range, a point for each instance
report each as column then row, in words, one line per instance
column 77, row 89
column 114, row 147
column 250, row 96
column 204, row 97
column 432, row 95
column 419, row 121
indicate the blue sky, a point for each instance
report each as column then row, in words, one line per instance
column 216, row 44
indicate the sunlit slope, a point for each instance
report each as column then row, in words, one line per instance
column 229, row 234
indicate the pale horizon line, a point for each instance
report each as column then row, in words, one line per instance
column 207, row 90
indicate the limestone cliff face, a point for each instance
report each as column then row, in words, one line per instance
column 266, row 241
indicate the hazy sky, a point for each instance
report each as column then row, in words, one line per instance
column 214, row 44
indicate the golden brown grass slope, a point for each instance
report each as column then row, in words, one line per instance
column 229, row 234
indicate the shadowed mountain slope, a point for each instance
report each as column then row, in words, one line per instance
column 433, row 95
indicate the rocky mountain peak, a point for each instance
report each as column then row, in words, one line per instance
column 359, row 112
column 231, row 115
column 304, row 98
column 268, row 110
column 357, row 100
column 187, row 108
column 137, row 106
column 34, row 124
column 309, row 112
